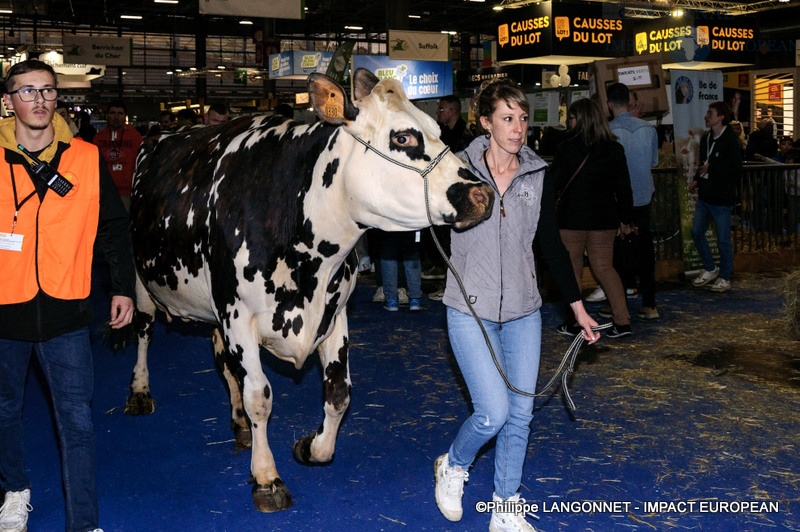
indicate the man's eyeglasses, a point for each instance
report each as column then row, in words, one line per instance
column 28, row 94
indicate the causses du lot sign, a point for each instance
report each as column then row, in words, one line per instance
column 584, row 31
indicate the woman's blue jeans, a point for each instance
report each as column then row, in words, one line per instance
column 721, row 215
column 68, row 369
column 497, row 410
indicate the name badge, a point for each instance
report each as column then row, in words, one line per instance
column 10, row 242
column 117, row 167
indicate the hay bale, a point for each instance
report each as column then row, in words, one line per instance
column 791, row 304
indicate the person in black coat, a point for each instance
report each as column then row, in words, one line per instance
column 761, row 141
column 716, row 181
column 594, row 205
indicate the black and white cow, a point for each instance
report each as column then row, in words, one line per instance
column 249, row 225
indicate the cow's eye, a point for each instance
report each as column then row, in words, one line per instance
column 405, row 140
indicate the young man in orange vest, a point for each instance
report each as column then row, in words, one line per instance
column 50, row 216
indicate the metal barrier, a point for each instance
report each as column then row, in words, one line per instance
column 766, row 216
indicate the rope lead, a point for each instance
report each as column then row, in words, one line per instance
column 570, row 356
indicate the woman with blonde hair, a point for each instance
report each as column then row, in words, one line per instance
column 738, row 131
column 496, row 264
column 595, row 204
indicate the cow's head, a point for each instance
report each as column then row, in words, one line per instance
column 393, row 148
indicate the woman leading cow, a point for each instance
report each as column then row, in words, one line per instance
column 496, row 263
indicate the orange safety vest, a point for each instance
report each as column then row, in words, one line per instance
column 57, row 234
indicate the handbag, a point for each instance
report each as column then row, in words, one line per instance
column 561, row 194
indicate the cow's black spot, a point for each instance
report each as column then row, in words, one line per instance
column 466, row 175
column 328, row 249
column 143, row 324
column 330, row 171
column 236, row 314
column 337, row 390
column 333, row 139
column 414, row 152
column 267, row 392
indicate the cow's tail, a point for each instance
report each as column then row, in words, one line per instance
column 118, row 339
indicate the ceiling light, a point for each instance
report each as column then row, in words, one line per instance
column 414, row 16
column 246, row 22
column 448, row 32
column 169, row 72
column 677, row 13
column 221, row 67
column 192, row 68
column 165, row 1
column 477, row 0
column 353, row 28
column 9, row 11
column 131, row 17
column 497, row 8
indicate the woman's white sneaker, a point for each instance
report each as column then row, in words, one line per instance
column 513, row 521
column 706, row 277
column 449, row 488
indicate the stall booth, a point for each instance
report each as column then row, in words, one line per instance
column 773, row 95
column 655, row 55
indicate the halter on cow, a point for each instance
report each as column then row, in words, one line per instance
column 249, row 225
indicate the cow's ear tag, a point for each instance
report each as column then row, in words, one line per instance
column 332, row 107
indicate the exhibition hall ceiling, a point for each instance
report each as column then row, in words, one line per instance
column 329, row 18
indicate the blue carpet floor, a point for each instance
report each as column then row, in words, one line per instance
column 652, row 425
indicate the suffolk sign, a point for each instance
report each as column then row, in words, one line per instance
column 419, row 46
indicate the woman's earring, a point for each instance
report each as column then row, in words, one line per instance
column 488, row 135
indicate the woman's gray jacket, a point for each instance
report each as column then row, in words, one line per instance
column 495, row 258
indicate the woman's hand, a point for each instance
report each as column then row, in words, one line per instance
column 585, row 321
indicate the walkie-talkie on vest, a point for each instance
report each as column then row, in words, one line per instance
column 50, row 175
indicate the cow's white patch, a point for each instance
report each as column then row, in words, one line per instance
column 192, row 298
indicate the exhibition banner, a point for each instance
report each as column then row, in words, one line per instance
column 298, row 63
column 338, row 64
column 703, row 37
column 419, row 45
column 248, row 8
column 561, row 29
column 692, row 91
column 420, row 79
column 108, row 51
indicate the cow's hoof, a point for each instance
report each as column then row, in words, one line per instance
column 302, row 452
column 271, row 497
column 140, row 404
column 243, row 438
